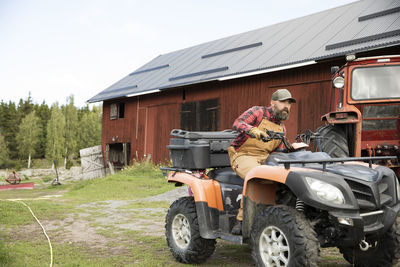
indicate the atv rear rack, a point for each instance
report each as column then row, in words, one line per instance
column 165, row 170
column 326, row 161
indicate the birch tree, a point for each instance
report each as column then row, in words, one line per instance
column 90, row 128
column 55, row 134
column 28, row 136
column 71, row 129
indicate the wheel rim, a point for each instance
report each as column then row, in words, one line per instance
column 181, row 231
column 274, row 248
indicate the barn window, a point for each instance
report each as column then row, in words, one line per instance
column 121, row 110
column 113, row 111
column 201, row 115
column 117, row 111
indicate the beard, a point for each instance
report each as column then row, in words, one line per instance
column 281, row 114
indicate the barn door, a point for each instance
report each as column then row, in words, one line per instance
column 201, row 115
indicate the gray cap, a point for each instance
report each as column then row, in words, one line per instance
column 282, row 95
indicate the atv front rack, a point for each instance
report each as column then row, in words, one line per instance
column 287, row 163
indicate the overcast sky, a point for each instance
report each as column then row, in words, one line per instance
column 55, row 48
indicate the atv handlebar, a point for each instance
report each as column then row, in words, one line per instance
column 277, row 136
column 305, row 137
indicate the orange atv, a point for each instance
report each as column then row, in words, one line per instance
column 293, row 205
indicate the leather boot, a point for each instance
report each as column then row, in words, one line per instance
column 237, row 228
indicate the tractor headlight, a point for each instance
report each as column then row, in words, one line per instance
column 325, row 191
column 338, row 82
column 398, row 188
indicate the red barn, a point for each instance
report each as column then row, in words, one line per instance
column 207, row 86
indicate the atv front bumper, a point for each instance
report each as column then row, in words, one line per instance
column 351, row 228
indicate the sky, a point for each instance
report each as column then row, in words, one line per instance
column 56, row 48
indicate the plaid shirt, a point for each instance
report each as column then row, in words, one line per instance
column 252, row 118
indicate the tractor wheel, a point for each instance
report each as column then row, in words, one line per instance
column 333, row 141
column 385, row 253
column 183, row 235
column 281, row 236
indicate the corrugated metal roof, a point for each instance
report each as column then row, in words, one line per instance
column 355, row 27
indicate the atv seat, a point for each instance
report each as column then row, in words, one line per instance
column 226, row 175
column 300, row 155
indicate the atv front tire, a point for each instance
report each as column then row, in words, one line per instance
column 281, row 236
column 183, row 235
column 386, row 252
column 333, row 141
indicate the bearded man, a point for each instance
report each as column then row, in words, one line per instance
column 246, row 152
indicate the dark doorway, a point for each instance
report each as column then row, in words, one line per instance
column 119, row 154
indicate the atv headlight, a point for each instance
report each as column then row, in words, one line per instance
column 325, row 191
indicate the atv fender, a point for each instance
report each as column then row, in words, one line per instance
column 261, row 181
column 204, row 190
column 259, row 191
column 208, row 200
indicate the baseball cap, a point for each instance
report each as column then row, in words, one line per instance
column 282, row 95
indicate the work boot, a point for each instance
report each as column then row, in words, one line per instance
column 237, row 228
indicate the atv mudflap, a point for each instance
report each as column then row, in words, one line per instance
column 212, row 224
column 373, row 224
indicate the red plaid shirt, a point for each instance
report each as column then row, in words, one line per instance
column 252, row 118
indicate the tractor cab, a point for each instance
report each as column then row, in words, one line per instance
column 365, row 107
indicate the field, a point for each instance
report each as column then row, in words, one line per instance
column 113, row 221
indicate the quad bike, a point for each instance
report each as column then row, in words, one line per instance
column 293, row 205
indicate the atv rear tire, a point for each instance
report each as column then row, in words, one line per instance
column 183, row 235
column 386, row 252
column 281, row 236
column 333, row 141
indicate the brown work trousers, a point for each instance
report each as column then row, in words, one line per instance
column 253, row 153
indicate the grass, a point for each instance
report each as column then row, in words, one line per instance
column 138, row 181
column 23, row 244
column 36, row 253
column 15, row 214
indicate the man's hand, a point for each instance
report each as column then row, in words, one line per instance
column 257, row 133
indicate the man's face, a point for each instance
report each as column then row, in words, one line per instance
column 281, row 109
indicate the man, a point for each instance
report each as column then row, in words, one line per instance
column 246, row 152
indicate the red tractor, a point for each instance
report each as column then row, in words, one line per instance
column 365, row 107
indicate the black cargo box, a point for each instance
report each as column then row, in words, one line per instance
column 200, row 150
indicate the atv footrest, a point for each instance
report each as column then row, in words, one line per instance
column 238, row 239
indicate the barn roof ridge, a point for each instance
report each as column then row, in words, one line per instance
column 297, row 42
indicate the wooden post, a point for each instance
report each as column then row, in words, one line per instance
column 124, row 151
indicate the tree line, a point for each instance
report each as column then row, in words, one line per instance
column 57, row 132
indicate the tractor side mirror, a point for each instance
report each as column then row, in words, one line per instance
column 334, row 69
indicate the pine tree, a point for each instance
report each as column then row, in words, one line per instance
column 55, row 135
column 9, row 127
column 43, row 113
column 28, row 136
column 3, row 151
column 71, row 129
column 24, row 107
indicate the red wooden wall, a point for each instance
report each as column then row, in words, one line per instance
column 150, row 118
